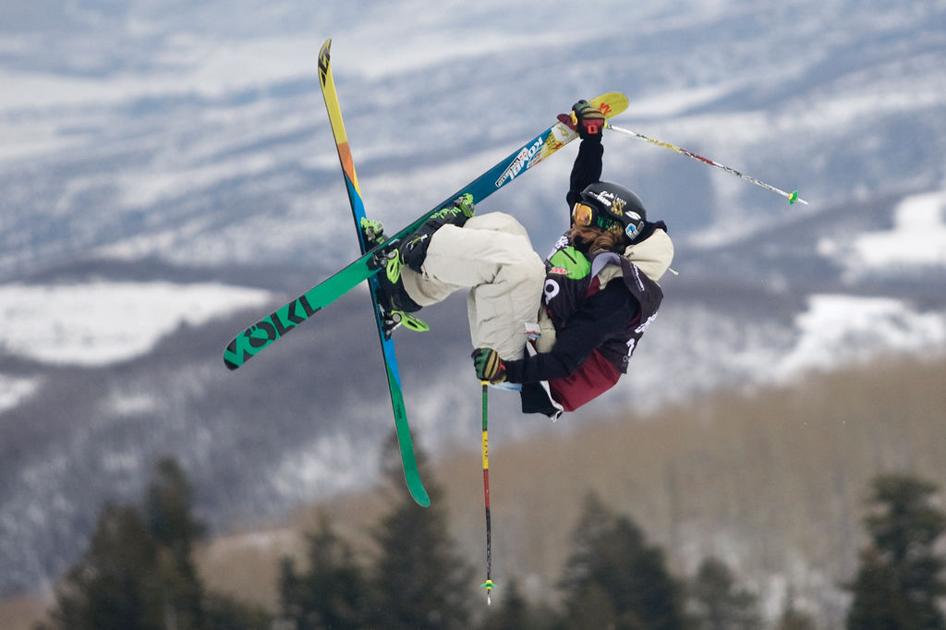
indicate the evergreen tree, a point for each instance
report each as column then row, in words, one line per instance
column 794, row 619
column 717, row 603
column 290, row 594
column 899, row 584
column 138, row 572
column 115, row 584
column 169, row 504
column 332, row 593
column 418, row 580
column 226, row 613
column 593, row 607
column 615, row 579
column 169, row 515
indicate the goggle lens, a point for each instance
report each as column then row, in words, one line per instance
column 582, row 214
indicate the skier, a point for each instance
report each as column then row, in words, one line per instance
column 598, row 290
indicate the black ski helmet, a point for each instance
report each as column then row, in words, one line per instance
column 610, row 207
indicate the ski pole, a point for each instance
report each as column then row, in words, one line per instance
column 792, row 196
column 488, row 584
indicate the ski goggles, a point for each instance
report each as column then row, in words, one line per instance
column 586, row 215
column 582, row 214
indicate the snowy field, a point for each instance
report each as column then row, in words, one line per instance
column 838, row 330
column 14, row 390
column 106, row 322
column 916, row 243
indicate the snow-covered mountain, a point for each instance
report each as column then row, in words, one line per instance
column 168, row 174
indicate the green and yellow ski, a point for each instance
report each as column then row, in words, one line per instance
column 406, row 444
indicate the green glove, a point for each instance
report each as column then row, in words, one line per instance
column 488, row 366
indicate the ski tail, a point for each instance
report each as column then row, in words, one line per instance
column 406, row 444
column 284, row 320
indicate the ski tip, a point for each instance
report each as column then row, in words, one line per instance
column 230, row 357
column 611, row 103
column 325, row 59
column 418, row 492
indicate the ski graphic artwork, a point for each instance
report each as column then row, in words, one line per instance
column 415, row 485
column 277, row 324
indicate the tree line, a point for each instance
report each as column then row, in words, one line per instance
column 138, row 573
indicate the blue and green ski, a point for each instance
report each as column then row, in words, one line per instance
column 411, row 475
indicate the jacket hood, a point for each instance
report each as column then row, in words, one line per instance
column 653, row 255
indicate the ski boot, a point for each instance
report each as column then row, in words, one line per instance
column 414, row 249
column 372, row 231
column 395, row 304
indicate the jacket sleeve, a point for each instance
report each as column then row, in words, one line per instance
column 586, row 170
column 603, row 316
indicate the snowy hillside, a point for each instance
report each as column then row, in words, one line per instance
column 915, row 244
column 168, row 176
column 186, row 137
